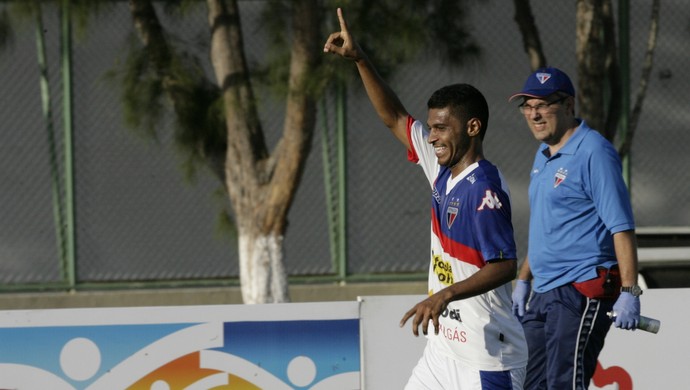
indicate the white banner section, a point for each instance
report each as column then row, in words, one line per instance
column 325, row 345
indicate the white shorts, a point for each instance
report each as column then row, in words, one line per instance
column 435, row 371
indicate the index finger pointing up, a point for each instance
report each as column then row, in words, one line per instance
column 341, row 19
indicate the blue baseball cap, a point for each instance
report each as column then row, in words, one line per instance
column 544, row 82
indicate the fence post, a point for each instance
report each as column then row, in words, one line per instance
column 341, row 106
column 66, row 59
column 624, row 61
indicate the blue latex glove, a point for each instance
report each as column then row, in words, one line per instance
column 627, row 310
column 520, row 296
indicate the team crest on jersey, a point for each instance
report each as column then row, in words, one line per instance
column 491, row 201
column 451, row 214
column 452, row 211
column 543, row 77
column 559, row 177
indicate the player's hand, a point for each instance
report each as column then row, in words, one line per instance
column 342, row 43
column 427, row 310
column 627, row 309
column 520, row 297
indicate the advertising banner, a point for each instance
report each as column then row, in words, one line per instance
column 318, row 346
column 289, row 346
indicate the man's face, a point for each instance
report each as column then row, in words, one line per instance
column 547, row 118
column 448, row 135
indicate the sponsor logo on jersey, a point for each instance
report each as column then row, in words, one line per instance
column 435, row 194
column 559, row 177
column 490, row 201
column 452, row 314
column 459, row 336
column 443, row 270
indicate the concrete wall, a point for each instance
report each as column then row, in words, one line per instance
column 198, row 296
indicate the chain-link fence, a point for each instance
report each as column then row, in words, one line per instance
column 136, row 218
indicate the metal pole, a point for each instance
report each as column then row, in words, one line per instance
column 624, row 60
column 328, row 186
column 70, row 255
column 341, row 104
column 50, row 137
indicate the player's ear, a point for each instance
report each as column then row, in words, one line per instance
column 474, row 127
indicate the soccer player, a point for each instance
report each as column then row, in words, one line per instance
column 476, row 342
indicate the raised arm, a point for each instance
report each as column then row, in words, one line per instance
column 385, row 101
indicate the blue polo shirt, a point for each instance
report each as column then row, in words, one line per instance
column 578, row 199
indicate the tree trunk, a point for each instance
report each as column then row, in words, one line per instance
column 530, row 35
column 590, row 62
column 262, row 186
column 262, row 277
column 597, row 68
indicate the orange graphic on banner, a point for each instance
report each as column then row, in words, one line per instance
column 185, row 371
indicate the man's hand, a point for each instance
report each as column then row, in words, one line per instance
column 426, row 310
column 342, row 43
column 627, row 309
column 520, row 297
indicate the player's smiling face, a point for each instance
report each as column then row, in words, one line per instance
column 447, row 135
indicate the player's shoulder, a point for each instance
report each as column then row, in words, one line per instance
column 597, row 149
column 485, row 177
column 487, row 173
column 595, row 141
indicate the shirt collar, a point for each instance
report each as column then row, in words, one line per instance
column 573, row 142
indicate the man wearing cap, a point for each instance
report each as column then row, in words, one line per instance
column 581, row 262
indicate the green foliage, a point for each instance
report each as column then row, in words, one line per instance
column 390, row 31
column 447, row 23
column 142, row 93
column 6, row 30
column 23, row 12
column 181, row 7
column 394, row 32
column 199, row 131
column 273, row 72
column 226, row 228
column 83, row 12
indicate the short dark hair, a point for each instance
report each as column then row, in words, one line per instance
column 465, row 101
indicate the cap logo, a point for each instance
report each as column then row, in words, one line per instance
column 543, row 77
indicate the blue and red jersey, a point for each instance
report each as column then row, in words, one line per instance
column 470, row 226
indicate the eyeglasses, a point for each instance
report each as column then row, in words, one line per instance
column 540, row 108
